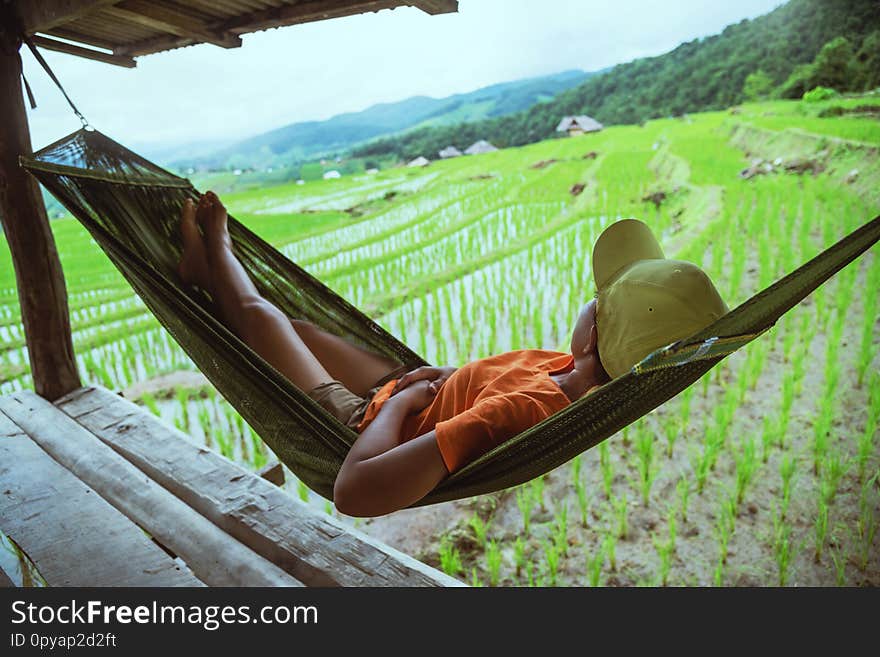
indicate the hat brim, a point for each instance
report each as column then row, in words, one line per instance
column 620, row 244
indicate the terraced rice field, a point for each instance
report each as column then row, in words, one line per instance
column 765, row 472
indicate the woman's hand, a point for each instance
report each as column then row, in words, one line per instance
column 436, row 375
column 415, row 397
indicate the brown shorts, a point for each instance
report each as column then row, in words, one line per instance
column 346, row 406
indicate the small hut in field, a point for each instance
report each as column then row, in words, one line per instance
column 578, row 125
column 449, row 151
column 480, row 147
column 420, row 161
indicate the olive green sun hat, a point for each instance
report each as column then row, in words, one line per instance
column 645, row 301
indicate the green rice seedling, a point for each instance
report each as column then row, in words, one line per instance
column 867, row 521
column 594, row 566
column 684, row 489
column 258, row 455
column 685, row 408
column 180, row 394
column 328, row 507
column 529, row 574
column 150, row 402
column 302, row 490
column 718, row 573
column 475, row 578
column 526, row 503
column 787, row 467
column 782, row 546
column 672, row 431
column 645, row 464
column 607, row 468
column 609, row 549
column 746, row 465
column 724, row 522
column 576, row 464
column 537, row 486
column 480, row 528
column 560, row 530
column 863, row 360
column 223, row 443
column 821, row 430
column 551, row 558
column 768, row 434
column 839, row 558
column 820, row 528
column 621, row 507
column 519, row 554
column 450, row 557
column 713, row 443
column 493, row 562
column 834, row 470
column 866, row 447
column 583, row 501
column 700, row 465
column 666, row 549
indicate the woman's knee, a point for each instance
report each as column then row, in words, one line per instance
column 303, row 327
column 255, row 313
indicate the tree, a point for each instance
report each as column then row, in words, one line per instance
column 757, row 85
column 866, row 64
column 831, row 67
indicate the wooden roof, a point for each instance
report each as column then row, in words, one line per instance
column 117, row 31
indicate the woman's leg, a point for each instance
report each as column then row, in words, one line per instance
column 261, row 325
column 356, row 368
column 307, row 355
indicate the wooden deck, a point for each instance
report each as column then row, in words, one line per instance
column 98, row 492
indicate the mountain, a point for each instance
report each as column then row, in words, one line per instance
column 796, row 46
column 311, row 139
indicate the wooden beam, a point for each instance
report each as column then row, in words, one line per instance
column 315, row 548
column 163, row 19
column 87, row 53
column 42, row 292
column 303, row 12
column 43, row 15
column 72, row 535
column 435, row 7
column 214, row 556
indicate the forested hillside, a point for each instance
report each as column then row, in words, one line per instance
column 302, row 141
column 803, row 44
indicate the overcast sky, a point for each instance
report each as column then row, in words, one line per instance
column 317, row 70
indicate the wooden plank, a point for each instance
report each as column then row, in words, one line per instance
column 164, row 19
column 314, row 547
column 87, row 53
column 73, row 536
column 46, row 14
column 302, row 12
column 8, row 428
column 42, row 293
column 215, row 557
column 435, row 7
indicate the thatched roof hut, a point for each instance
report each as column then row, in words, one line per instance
column 479, row 147
column 420, row 161
column 449, row 151
column 578, row 125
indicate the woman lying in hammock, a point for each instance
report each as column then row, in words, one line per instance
column 417, row 427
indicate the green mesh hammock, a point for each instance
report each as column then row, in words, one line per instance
column 131, row 207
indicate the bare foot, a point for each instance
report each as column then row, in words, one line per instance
column 193, row 265
column 212, row 218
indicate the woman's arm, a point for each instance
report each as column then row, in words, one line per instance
column 381, row 475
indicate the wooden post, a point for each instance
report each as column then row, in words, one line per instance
column 42, row 292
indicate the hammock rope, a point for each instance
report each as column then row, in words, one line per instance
column 131, row 207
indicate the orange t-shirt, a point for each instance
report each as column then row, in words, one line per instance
column 485, row 402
